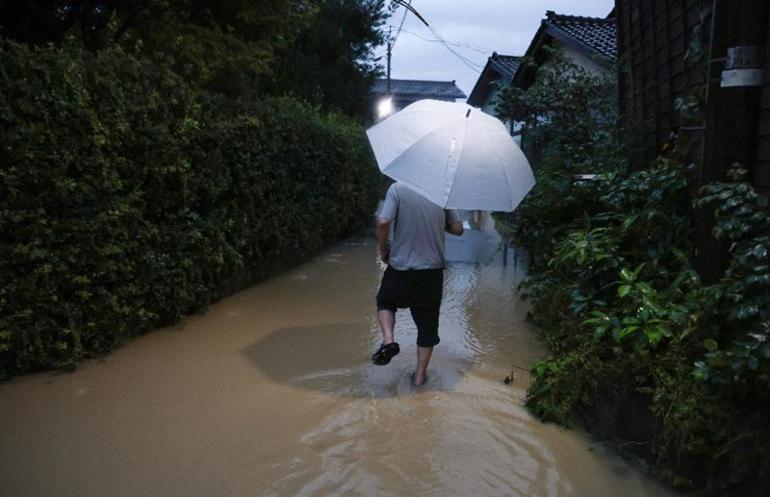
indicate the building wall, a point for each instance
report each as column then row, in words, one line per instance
column 489, row 107
column 653, row 38
column 583, row 61
column 491, row 102
column 762, row 171
column 399, row 102
column 656, row 40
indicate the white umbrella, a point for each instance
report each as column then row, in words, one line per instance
column 453, row 154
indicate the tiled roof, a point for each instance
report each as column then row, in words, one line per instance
column 499, row 69
column 506, row 65
column 595, row 33
column 418, row 88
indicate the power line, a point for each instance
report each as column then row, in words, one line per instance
column 438, row 38
column 408, row 6
column 478, row 49
column 401, row 25
column 462, row 58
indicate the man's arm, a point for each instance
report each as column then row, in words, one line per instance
column 454, row 224
column 383, row 230
column 455, row 227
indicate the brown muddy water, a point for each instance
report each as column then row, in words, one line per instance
column 271, row 393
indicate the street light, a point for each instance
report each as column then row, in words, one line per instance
column 385, row 107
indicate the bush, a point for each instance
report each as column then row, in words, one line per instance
column 631, row 324
column 645, row 353
column 129, row 197
column 569, row 119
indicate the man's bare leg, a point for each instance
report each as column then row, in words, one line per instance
column 423, row 358
column 387, row 320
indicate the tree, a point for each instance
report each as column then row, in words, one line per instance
column 230, row 41
column 565, row 111
column 569, row 118
column 43, row 21
column 318, row 50
column 331, row 62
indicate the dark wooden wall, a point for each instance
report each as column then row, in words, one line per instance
column 653, row 38
column 762, row 171
column 658, row 41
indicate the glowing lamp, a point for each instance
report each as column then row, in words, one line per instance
column 385, row 108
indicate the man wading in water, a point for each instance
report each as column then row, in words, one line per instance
column 414, row 277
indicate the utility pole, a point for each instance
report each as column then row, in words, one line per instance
column 390, row 30
column 408, row 7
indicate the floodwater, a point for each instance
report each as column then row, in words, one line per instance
column 271, row 393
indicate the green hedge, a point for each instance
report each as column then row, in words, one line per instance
column 129, row 197
column 645, row 354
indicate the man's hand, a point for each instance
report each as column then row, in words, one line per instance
column 385, row 254
column 383, row 229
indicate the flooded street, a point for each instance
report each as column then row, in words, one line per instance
column 271, row 393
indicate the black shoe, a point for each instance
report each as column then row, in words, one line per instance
column 385, row 353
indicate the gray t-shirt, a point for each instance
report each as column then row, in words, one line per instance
column 418, row 229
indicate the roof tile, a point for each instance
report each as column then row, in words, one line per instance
column 418, row 88
column 597, row 33
column 506, row 65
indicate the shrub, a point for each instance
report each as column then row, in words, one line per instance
column 644, row 352
column 569, row 119
column 130, row 197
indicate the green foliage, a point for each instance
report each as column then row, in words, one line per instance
column 628, row 319
column 129, row 196
column 224, row 46
column 568, row 112
column 331, row 62
column 569, row 117
column 738, row 320
column 556, row 377
column 320, row 51
column 622, row 308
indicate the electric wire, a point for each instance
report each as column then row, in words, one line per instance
column 440, row 39
column 472, row 65
column 411, row 9
column 478, row 49
column 401, row 25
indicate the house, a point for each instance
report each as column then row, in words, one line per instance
column 585, row 41
column 402, row 92
column 702, row 76
column 498, row 72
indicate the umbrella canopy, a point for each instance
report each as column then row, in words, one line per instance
column 453, row 154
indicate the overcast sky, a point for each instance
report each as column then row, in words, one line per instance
column 504, row 26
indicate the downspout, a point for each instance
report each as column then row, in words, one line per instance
column 711, row 61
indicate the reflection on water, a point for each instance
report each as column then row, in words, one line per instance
column 272, row 393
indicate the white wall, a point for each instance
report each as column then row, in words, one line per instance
column 491, row 102
column 490, row 105
column 583, row 61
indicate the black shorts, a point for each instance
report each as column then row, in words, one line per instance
column 419, row 290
